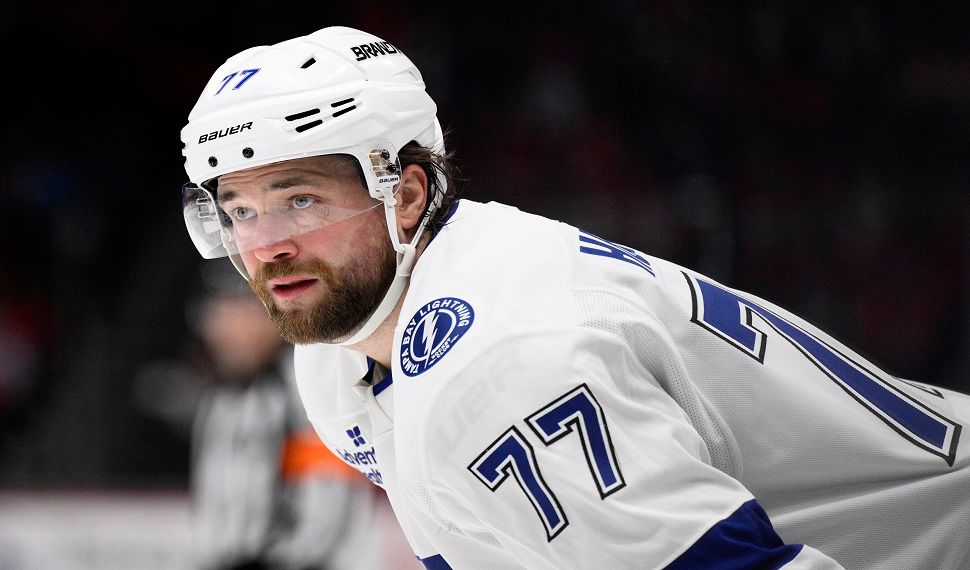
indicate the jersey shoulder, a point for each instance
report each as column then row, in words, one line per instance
column 491, row 271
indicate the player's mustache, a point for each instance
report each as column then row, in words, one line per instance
column 286, row 268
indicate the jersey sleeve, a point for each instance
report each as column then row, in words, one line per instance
column 558, row 447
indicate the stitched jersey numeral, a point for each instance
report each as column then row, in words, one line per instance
column 736, row 320
column 578, row 412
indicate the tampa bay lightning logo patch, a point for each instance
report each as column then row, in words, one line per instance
column 432, row 332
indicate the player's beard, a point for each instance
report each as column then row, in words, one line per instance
column 349, row 296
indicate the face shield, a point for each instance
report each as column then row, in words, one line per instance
column 239, row 224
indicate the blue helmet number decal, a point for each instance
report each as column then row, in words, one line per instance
column 244, row 76
column 432, row 332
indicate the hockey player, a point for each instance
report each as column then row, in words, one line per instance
column 531, row 395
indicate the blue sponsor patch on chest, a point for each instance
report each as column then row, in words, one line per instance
column 432, row 332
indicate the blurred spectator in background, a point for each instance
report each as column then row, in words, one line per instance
column 266, row 492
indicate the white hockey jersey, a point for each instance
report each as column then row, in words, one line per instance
column 560, row 401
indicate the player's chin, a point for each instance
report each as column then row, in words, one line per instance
column 299, row 327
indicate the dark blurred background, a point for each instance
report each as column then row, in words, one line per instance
column 811, row 153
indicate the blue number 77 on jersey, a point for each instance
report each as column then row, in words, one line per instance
column 732, row 318
column 578, row 412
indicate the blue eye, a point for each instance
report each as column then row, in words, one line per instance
column 242, row 213
column 303, row 201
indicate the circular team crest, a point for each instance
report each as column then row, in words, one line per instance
column 432, row 332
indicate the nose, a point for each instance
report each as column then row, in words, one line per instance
column 276, row 251
column 273, row 238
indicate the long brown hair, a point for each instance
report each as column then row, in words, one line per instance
column 435, row 164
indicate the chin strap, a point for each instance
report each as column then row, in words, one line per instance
column 386, row 164
column 406, row 256
column 405, row 262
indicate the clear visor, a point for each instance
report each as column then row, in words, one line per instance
column 220, row 230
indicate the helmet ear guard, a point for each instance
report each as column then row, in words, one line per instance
column 336, row 91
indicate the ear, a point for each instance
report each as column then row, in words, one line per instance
column 412, row 194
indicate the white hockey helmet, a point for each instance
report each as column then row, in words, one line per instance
column 336, row 91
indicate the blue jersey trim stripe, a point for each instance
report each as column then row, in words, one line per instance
column 451, row 212
column 745, row 539
column 445, row 220
column 383, row 384
column 435, row 562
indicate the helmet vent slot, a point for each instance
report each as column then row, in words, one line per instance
column 308, row 63
column 308, row 126
column 340, row 103
column 345, row 110
column 298, row 116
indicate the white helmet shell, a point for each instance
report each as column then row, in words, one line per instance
column 337, row 90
